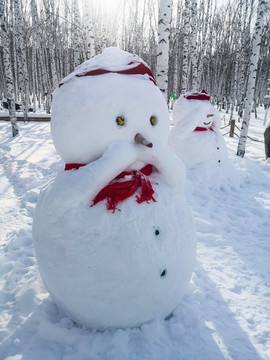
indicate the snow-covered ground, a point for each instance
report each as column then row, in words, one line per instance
column 225, row 314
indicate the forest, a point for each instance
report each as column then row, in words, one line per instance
column 208, row 44
column 56, row 238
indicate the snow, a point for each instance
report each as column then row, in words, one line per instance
column 112, row 59
column 109, row 269
column 196, row 139
column 224, row 315
column 81, row 129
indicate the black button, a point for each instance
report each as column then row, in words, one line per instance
column 164, row 272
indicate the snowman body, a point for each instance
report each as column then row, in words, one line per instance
column 197, row 141
column 199, row 147
column 113, row 269
column 195, row 137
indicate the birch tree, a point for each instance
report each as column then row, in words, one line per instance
column 76, row 34
column 88, row 30
column 245, row 54
column 256, row 43
column 8, row 71
column 193, row 52
column 21, row 55
column 237, row 56
column 185, row 48
column 53, row 34
column 165, row 14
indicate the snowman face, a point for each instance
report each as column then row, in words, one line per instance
column 90, row 112
column 210, row 118
column 208, row 115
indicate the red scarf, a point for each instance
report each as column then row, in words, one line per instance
column 198, row 128
column 118, row 191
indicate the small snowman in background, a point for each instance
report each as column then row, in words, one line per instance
column 196, row 138
column 113, row 234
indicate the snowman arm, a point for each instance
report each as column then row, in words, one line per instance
column 87, row 181
column 170, row 167
column 118, row 156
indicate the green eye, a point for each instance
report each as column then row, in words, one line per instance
column 120, row 120
column 153, row 120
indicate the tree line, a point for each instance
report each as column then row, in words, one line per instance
column 205, row 45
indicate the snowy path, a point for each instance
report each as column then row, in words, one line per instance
column 235, row 265
column 226, row 313
column 8, row 217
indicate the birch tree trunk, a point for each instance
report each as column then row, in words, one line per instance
column 256, row 43
column 76, row 35
column 165, row 14
column 40, row 77
column 237, row 55
column 23, row 86
column 88, row 30
column 51, row 42
column 8, row 71
column 193, row 52
column 185, row 49
column 245, row 54
column 205, row 42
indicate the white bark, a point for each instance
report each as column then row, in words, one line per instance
column 185, row 49
column 193, row 52
column 76, row 35
column 88, row 30
column 135, row 31
column 251, row 78
column 23, row 84
column 245, row 40
column 40, row 78
column 205, row 42
column 165, row 14
column 237, row 55
column 176, row 74
column 8, row 71
column 51, row 42
column 200, row 43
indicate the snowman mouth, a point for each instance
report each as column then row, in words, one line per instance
column 207, row 123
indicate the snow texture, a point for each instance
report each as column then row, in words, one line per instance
column 112, row 59
column 113, row 269
column 225, row 313
column 203, row 152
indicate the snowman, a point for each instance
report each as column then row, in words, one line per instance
column 196, row 138
column 113, row 234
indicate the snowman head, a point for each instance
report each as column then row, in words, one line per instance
column 194, row 110
column 111, row 97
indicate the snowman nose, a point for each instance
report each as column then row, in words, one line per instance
column 209, row 115
column 139, row 139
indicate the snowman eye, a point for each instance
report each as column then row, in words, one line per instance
column 153, row 120
column 120, row 120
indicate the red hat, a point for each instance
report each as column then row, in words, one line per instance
column 124, row 63
column 197, row 95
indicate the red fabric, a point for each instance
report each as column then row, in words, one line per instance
column 117, row 191
column 71, row 166
column 140, row 69
column 197, row 96
column 199, row 128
